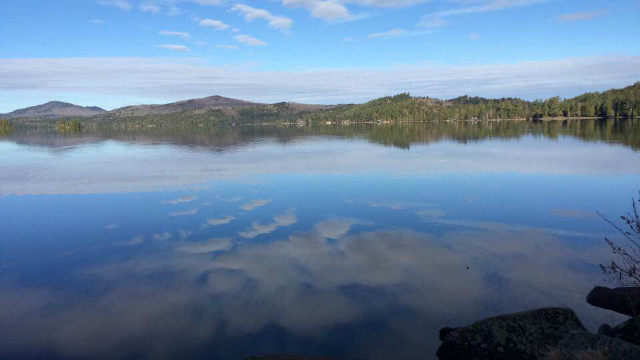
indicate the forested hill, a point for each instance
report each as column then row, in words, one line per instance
column 403, row 107
column 613, row 103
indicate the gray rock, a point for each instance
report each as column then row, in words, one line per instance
column 581, row 342
column 604, row 329
column 623, row 300
column 446, row 331
column 288, row 357
column 628, row 331
column 525, row 335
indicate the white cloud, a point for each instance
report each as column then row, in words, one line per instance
column 217, row 24
column 581, row 16
column 120, row 4
column 250, row 13
column 98, row 79
column 435, row 20
column 249, row 40
column 174, row 47
column 395, row 33
column 254, row 204
column 226, row 46
column 432, row 22
column 474, row 37
column 330, row 10
column 336, row 10
column 183, row 35
column 385, row 3
column 387, row 34
column 150, row 7
column 208, row 2
column 173, row 10
column 488, row 6
column 286, row 219
column 97, row 22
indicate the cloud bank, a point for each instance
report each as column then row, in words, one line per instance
column 111, row 82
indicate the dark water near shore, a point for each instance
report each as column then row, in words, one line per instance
column 355, row 242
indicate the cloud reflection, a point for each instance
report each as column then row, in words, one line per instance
column 103, row 170
column 220, row 221
column 181, row 200
column 308, row 285
column 191, row 211
column 282, row 220
column 254, row 204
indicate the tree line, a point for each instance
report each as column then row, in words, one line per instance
column 618, row 103
column 64, row 126
column 5, row 127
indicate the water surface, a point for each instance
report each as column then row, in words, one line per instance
column 355, row 242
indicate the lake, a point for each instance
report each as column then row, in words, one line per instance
column 343, row 241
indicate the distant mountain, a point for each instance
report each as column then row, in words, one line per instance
column 54, row 109
column 208, row 103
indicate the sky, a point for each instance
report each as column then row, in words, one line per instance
column 112, row 53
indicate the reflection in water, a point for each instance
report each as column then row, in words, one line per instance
column 311, row 241
column 378, row 294
column 104, row 165
column 626, row 132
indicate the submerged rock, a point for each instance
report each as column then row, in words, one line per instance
column 623, row 300
column 525, row 335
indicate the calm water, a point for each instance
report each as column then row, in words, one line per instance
column 356, row 242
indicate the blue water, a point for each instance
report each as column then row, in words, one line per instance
column 316, row 244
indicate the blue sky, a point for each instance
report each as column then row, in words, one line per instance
column 112, row 53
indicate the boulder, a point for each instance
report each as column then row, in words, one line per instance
column 446, row 331
column 628, row 331
column 608, row 348
column 623, row 300
column 525, row 335
column 288, row 357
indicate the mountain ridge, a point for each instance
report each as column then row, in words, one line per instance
column 54, row 109
column 206, row 103
column 624, row 102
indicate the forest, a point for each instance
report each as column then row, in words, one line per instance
column 5, row 127
column 64, row 126
column 622, row 103
column 617, row 103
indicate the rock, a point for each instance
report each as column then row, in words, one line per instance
column 446, row 331
column 623, row 300
column 604, row 329
column 583, row 342
column 288, row 357
column 628, row 331
column 524, row 335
